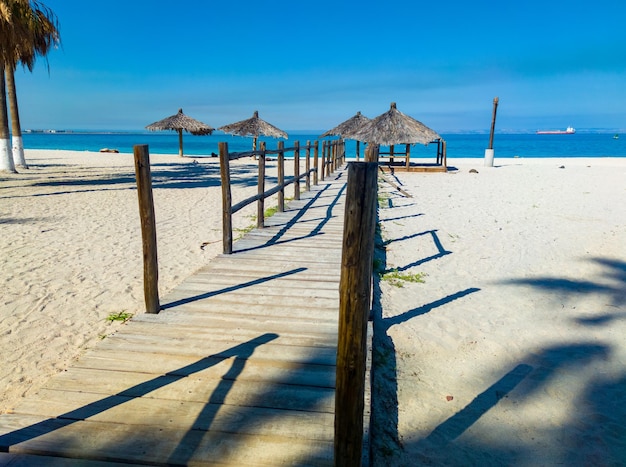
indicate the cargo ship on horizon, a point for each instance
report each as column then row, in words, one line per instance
column 569, row 131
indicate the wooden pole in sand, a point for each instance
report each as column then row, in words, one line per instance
column 227, row 200
column 148, row 228
column 489, row 150
column 493, row 122
column 354, row 308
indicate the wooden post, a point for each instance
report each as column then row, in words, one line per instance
column 148, row 228
column 260, row 206
column 307, row 166
column 227, row 201
column 323, row 168
column 371, row 153
column 493, row 122
column 329, row 160
column 357, row 150
column 408, row 156
column 296, row 170
column 180, row 143
column 391, row 154
column 354, row 308
column 316, row 149
column 281, row 176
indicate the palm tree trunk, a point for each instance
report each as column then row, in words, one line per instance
column 6, row 155
column 18, row 144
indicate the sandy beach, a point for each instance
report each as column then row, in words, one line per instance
column 512, row 350
column 509, row 351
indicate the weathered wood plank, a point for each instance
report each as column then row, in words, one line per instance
column 199, row 388
column 113, row 442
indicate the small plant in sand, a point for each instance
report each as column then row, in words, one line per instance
column 122, row 316
column 397, row 279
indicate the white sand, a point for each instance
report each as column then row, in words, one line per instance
column 520, row 322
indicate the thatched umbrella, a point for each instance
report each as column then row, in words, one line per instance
column 254, row 127
column 347, row 128
column 180, row 122
column 393, row 127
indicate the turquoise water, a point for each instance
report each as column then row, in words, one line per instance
column 459, row 145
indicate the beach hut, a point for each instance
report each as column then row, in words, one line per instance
column 347, row 128
column 255, row 127
column 393, row 128
column 178, row 123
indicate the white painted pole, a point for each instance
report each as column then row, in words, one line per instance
column 488, row 157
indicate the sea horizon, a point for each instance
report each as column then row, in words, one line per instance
column 584, row 143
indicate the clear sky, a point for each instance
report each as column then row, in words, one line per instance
column 309, row 65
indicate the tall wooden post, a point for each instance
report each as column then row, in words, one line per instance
column 391, row 148
column 281, row 176
column 323, row 168
column 227, row 200
column 307, row 166
column 357, row 150
column 354, row 308
column 296, row 170
column 493, row 122
column 148, row 228
column 260, row 206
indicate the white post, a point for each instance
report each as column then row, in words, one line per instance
column 488, row 157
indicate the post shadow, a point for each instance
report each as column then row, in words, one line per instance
column 195, row 298
column 241, row 352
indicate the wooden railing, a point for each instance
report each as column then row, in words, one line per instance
column 333, row 154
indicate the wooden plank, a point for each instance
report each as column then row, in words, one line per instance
column 257, row 417
column 279, row 372
column 199, row 388
column 113, row 442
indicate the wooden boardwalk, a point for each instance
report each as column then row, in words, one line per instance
column 238, row 368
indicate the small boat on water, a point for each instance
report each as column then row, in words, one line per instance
column 615, row 136
column 569, row 131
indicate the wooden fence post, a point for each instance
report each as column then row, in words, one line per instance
column 316, row 149
column 307, row 166
column 260, row 206
column 323, row 160
column 358, row 143
column 328, row 148
column 148, row 228
column 371, row 153
column 227, row 201
column 354, row 308
column 281, row 176
column 296, row 170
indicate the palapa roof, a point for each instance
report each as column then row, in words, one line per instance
column 393, row 127
column 253, row 126
column 179, row 122
column 348, row 127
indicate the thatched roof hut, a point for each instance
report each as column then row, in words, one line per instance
column 393, row 127
column 178, row 123
column 255, row 127
column 348, row 127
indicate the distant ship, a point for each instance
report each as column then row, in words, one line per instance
column 568, row 131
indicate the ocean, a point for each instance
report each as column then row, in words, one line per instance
column 458, row 145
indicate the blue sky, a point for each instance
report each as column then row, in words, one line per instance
column 309, row 65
